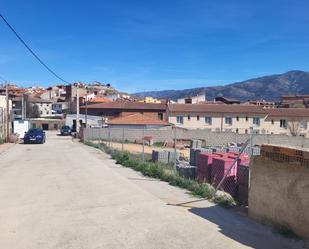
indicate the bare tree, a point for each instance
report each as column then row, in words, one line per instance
column 294, row 127
column 32, row 109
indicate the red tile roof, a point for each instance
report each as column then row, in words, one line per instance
column 99, row 100
column 127, row 105
column 288, row 112
column 137, row 119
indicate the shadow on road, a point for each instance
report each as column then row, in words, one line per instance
column 244, row 230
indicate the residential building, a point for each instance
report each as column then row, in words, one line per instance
column 44, row 106
column 240, row 118
column 122, row 108
column 137, row 120
column 92, row 121
column 289, row 101
column 215, row 117
column 96, row 100
column 192, row 100
column 150, row 99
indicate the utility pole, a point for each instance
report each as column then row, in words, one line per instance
column 7, row 112
column 22, row 107
column 86, row 110
column 77, row 109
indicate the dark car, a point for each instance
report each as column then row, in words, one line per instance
column 34, row 135
column 65, row 130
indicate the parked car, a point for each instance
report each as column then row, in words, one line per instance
column 65, row 130
column 34, row 135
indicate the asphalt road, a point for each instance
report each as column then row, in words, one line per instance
column 66, row 195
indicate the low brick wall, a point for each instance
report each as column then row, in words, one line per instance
column 279, row 188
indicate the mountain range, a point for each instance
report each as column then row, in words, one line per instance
column 268, row 88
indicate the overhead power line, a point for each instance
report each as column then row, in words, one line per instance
column 31, row 51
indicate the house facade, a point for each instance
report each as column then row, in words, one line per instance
column 240, row 118
column 116, row 109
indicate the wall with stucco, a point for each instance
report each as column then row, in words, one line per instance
column 279, row 193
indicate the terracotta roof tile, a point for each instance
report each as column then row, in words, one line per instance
column 288, row 112
column 137, row 119
column 128, row 105
column 99, row 100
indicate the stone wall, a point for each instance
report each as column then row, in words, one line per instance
column 279, row 188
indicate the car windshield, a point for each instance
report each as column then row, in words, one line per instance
column 65, row 127
column 35, row 130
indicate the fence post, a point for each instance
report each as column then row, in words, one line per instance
column 109, row 136
column 122, row 139
column 175, row 151
column 143, row 147
column 251, row 142
column 100, row 138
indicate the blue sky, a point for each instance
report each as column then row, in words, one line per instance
column 153, row 45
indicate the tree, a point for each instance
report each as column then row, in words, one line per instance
column 32, row 109
column 294, row 127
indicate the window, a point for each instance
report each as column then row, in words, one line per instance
column 272, row 122
column 247, row 118
column 283, row 123
column 246, row 131
column 189, row 117
column 55, row 126
column 237, row 131
column 179, row 119
column 228, row 120
column 208, row 120
column 160, row 115
column 237, row 118
column 256, row 121
column 303, row 124
column 197, row 117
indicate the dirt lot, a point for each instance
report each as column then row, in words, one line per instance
column 137, row 148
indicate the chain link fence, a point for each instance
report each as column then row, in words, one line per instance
column 2, row 125
column 220, row 159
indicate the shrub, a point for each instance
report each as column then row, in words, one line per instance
column 224, row 200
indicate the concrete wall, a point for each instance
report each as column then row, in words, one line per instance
column 279, row 193
column 211, row 138
column 53, row 124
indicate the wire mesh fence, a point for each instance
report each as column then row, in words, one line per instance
column 2, row 125
column 219, row 159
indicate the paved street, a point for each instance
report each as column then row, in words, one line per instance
column 66, row 195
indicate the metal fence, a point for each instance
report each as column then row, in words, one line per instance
column 2, row 124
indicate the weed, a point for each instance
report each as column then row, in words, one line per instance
column 165, row 173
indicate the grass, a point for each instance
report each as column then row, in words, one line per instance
column 165, row 172
column 158, row 144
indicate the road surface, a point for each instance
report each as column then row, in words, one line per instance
column 66, row 195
